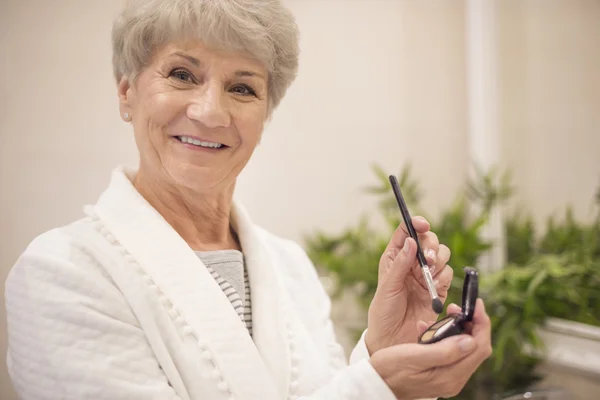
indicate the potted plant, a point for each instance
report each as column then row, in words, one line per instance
column 548, row 275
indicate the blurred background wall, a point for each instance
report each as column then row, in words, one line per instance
column 380, row 81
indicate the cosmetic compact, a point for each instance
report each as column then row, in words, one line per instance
column 454, row 324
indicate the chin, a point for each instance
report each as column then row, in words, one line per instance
column 196, row 178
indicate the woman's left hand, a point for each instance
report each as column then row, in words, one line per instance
column 402, row 302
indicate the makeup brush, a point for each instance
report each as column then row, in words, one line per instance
column 436, row 303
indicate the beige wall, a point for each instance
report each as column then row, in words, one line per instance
column 359, row 99
column 379, row 81
column 550, row 101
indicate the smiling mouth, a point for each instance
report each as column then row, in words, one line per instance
column 200, row 143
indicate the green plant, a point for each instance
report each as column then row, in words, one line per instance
column 540, row 280
column 520, row 238
column 519, row 298
column 564, row 263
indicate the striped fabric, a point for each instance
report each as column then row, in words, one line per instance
column 247, row 317
column 230, row 263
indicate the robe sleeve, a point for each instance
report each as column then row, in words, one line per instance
column 353, row 380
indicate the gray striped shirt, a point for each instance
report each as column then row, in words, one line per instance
column 228, row 269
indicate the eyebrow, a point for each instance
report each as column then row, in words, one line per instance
column 244, row 73
column 189, row 58
column 194, row 61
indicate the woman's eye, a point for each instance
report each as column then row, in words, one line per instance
column 182, row 75
column 244, row 90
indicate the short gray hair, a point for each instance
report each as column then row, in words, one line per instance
column 263, row 29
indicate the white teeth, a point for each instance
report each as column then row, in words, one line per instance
column 196, row 142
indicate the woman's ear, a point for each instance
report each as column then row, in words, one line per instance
column 125, row 98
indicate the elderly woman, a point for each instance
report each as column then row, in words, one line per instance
column 167, row 290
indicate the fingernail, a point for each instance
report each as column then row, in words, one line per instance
column 406, row 247
column 466, row 344
column 436, row 283
column 431, row 254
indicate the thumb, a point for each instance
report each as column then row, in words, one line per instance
column 401, row 266
column 444, row 352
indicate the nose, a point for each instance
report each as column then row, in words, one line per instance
column 209, row 109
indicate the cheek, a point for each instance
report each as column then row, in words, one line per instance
column 250, row 125
column 162, row 109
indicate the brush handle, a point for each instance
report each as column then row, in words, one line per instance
column 407, row 219
column 436, row 302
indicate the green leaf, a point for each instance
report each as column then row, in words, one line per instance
column 536, row 281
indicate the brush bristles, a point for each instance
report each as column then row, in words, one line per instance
column 437, row 305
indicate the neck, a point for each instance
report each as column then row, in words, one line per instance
column 201, row 219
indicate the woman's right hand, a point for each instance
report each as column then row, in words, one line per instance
column 418, row 371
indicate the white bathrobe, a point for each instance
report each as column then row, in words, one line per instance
column 118, row 306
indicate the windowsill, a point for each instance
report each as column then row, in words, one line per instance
column 572, row 344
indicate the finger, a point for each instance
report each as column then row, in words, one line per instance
column 442, row 258
column 453, row 309
column 430, row 244
column 453, row 377
column 450, row 380
column 479, row 318
column 395, row 279
column 481, row 328
column 420, row 224
column 483, row 350
column 437, row 262
column 443, row 281
column 481, row 331
column 445, row 352
column 392, row 249
column 422, row 326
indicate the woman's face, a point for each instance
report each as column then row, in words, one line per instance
column 197, row 115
